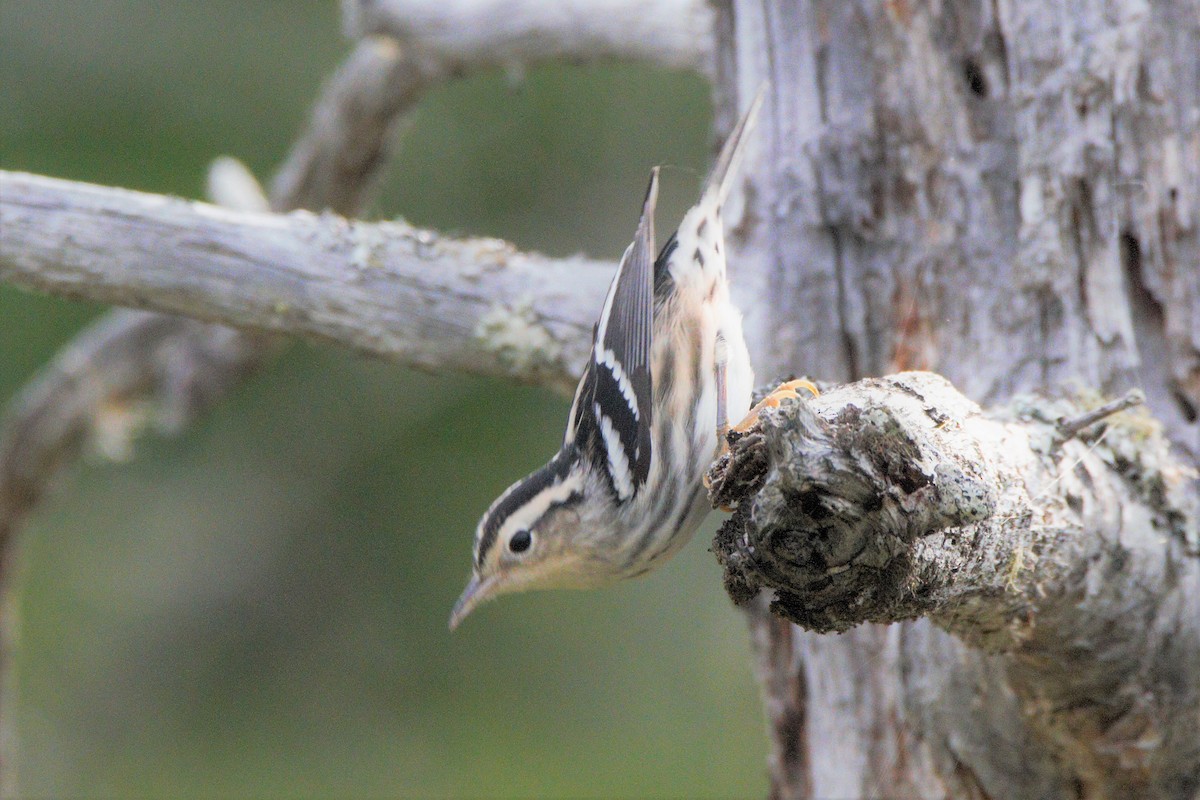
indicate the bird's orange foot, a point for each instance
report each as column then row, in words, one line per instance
column 781, row 393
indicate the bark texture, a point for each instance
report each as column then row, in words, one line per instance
column 1004, row 192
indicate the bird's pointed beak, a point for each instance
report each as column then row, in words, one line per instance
column 477, row 592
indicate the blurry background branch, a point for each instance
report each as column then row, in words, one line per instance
column 450, row 38
column 337, row 161
column 407, row 48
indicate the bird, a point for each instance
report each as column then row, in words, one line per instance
column 668, row 369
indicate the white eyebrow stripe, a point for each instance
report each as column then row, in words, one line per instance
column 540, row 503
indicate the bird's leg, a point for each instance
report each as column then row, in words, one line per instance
column 719, row 367
column 721, row 357
column 781, row 393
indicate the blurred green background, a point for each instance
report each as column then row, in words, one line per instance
column 258, row 608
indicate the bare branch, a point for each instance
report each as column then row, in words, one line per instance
column 517, row 33
column 338, row 160
column 388, row 289
column 1069, row 427
column 132, row 369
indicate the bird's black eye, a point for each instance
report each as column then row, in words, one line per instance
column 520, row 541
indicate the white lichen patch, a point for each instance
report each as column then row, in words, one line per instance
column 369, row 243
column 231, row 184
column 517, row 337
column 115, row 427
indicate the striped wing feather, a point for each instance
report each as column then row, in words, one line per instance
column 612, row 412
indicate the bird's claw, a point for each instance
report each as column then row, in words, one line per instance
column 782, row 392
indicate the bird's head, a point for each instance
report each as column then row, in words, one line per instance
column 534, row 536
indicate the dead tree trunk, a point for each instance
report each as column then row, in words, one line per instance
column 1006, row 192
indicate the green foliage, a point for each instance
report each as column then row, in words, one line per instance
column 258, row 608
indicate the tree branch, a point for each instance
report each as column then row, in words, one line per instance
column 474, row 305
column 338, row 160
column 58, row 412
column 453, row 37
column 132, row 369
column 1076, row 558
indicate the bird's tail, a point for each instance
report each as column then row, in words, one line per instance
column 731, row 153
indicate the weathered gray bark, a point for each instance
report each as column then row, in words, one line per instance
column 1005, row 192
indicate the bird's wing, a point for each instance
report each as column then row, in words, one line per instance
column 613, row 404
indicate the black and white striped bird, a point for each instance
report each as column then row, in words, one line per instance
column 668, row 370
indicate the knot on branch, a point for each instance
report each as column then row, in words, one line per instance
column 832, row 495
